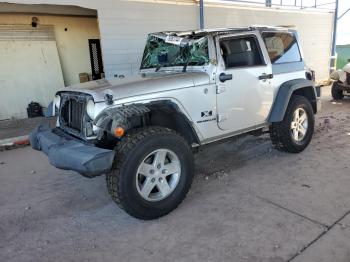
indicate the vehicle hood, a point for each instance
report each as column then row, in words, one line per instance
column 139, row 85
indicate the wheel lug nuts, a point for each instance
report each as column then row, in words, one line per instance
column 153, row 180
column 164, row 171
column 160, row 180
column 159, row 166
column 151, row 171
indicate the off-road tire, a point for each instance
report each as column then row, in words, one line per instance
column 337, row 93
column 135, row 146
column 280, row 132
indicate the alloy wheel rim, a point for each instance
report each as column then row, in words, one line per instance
column 158, row 175
column 299, row 125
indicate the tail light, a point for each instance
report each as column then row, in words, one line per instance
column 313, row 74
column 310, row 75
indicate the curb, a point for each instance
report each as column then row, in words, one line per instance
column 14, row 142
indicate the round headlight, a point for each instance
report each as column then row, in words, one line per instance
column 57, row 101
column 90, row 109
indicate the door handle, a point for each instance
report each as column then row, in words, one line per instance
column 224, row 77
column 265, row 76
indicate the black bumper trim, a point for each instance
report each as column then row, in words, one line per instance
column 68, row 153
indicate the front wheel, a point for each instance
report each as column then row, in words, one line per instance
column 153, row 172
column 293, row 134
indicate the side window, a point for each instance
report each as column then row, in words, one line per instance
column 282, row 47
column 241, row 52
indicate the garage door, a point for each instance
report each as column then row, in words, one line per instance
column 30, row 69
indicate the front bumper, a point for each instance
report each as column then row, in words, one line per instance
column 68, row 153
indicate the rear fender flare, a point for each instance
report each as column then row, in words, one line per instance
column 284, row 94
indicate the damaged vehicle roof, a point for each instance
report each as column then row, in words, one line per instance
column 220, row 31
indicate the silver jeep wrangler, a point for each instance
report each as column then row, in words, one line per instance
column 194, row 88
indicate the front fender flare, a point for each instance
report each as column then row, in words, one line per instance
column 122, row 116
column 113, row 117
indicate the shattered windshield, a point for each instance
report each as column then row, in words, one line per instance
column 165, row 51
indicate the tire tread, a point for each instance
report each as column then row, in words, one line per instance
column 123, row 149
column 279, row 131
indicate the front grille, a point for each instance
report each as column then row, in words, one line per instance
column 77, row 110
column 72, row 113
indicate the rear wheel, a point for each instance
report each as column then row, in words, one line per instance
column 294, row 132
column 153, row 172
column 337, row 93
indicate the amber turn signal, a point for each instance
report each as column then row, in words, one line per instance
column 119, row 132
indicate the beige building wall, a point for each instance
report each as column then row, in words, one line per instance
column 72, row 44
column 124, row 29
column 29, row 71
column 124, row 25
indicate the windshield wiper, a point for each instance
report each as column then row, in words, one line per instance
column 188, row 58
column 183, row 51
column 157, row 68
column 185, row 65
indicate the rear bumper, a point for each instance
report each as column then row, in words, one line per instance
column 68, row 153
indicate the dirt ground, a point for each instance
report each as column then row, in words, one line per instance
column 248, row 202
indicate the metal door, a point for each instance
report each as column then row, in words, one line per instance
column 244, row 86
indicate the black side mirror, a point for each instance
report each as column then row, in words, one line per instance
column 224, row 77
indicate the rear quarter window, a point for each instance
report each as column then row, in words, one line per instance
column 282, row 47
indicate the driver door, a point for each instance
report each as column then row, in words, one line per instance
column 244, row 81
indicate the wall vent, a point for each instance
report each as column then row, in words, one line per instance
column 26, row 33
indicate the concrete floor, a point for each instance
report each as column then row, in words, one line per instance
column 248, row 202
